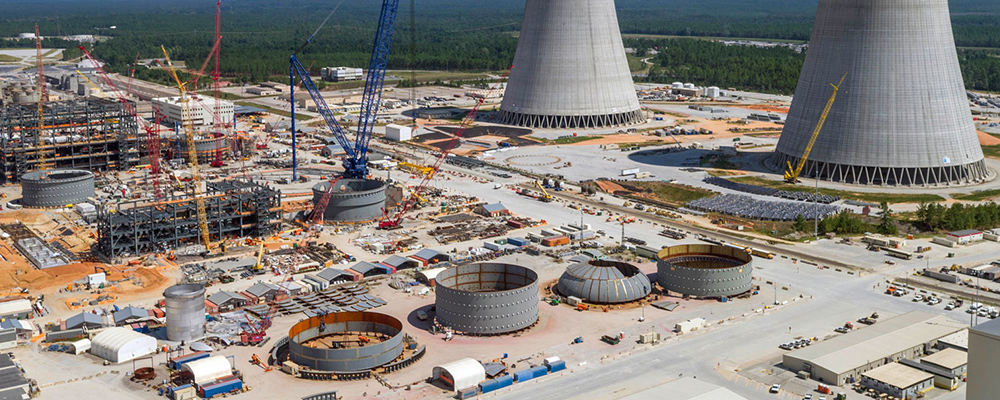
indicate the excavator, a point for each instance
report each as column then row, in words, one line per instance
column 792, row 174
column 546, row 197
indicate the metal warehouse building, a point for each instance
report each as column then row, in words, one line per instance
column 837, row 360
column 686, row 389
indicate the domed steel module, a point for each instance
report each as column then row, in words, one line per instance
column 604, row 282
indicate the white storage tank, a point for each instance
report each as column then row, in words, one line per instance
column 713, row 92
column 185, row 308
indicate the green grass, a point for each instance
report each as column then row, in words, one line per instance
column 992, row 151
column 273, row 110
column 568, row 140
column 50, row 52
column 862, row 196
column 225, row 95
column 673, row 194
column 978, row 195
column 6, row 58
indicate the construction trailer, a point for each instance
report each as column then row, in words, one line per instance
column 93, row 134
column 234, row 209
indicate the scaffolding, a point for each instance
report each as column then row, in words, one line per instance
column 93, row 134
column 234, row 209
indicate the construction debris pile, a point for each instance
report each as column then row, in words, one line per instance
column 350, row 297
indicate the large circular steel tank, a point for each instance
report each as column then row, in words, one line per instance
column 56, row 188
column 185, row 308
column 352, row 200
column 487, row 298
column 704, row 270
column 314, row 344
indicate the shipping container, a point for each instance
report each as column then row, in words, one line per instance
column 517, row 241
column 515, row 224
column 630, row 171
column 221, row 386
column 468, row 392
column 522, row 376
column 491, row 246
column 546, row 232
column 488, row 386
column 177, row 362
column 557, row 366
column 640, row 175
column 555, row 241
column 504, row 381
column 182, row 392
column 538, row 371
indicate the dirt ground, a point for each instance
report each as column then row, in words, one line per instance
column 986, row 139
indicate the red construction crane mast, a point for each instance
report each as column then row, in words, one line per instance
column 317, row 214
column 152, row 133
column 470, row 118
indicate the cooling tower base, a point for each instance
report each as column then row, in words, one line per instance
column 967, row 174
column 571, row 121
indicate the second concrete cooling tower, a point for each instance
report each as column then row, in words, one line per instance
column 570, row 69
column 901, row 116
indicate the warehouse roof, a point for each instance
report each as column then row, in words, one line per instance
column 959, row 340
column 430, row 274
column 846, row 352
column 965, row 232
column 686, row 389
column 83, row 318
column 990, row 328
column 130, row 312
column 948, row 358
column 396, row 260
column 427, row 254
column 15, row 307
column 333, row 274
column 223, row 296
column 495, row 207
column 262, row 288
column 898, row 375
column 363, row 267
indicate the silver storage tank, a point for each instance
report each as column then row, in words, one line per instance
column 185, row 312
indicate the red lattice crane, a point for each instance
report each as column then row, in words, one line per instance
column 470, row 118
column 317, row 215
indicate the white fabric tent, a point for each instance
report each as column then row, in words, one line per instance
column 461, row 374
column 208, row 369
column 119, row 345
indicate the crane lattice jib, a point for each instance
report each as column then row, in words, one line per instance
column 469, row 119
column 819, row 126
column 317, row 215
column 321, row 106
column 358, row 165
column 192, row 154
column 152, row 133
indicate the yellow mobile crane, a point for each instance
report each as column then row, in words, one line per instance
column 258, row 268
column 792, row 174
column 192, row 154
column 546, row 197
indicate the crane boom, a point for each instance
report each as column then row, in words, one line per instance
column 41, row 99
column 356, row 163
column 152, row 133
column 192, row 154
column 467, row 121
column 792, row 175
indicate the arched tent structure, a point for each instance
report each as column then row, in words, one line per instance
column 461, row 374
column 208, row 369
column 80, row 346
column 119, row 345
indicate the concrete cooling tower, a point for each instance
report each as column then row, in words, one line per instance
column 570, row 69
column 901, row 116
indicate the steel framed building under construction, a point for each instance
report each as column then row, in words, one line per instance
column 234, row 209
column 93, row 134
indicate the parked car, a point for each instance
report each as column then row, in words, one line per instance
column 775, row 388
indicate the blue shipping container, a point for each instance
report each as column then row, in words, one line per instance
column 177, row 362
column 521, row 376
column 517, row 241
column 504, row 381
column 557, row 366
column 488, row 386
column 220, row 387
column 538, row 371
